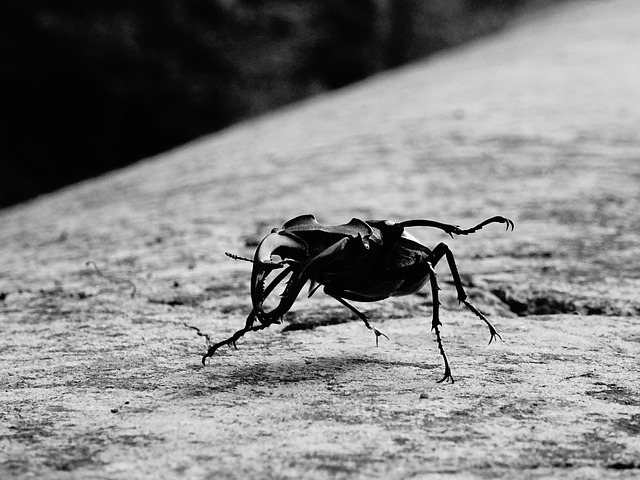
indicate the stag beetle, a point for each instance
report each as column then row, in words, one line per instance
column 359, row 261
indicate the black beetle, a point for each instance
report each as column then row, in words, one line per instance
column 359, row 261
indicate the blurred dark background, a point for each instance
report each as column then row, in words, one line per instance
column 86, row 87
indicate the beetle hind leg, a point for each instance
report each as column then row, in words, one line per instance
column 497, row 219
column 492, row 330
column 436, row 324
column 443, row 249
column 360, row 315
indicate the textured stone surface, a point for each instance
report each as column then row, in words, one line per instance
column 540, row 124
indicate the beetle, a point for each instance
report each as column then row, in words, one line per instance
column 362, row 261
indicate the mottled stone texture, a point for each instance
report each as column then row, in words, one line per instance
column 541, row 124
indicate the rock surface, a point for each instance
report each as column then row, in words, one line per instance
column 101, row 374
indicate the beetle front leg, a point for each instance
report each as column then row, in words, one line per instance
column 442, row 249
column 436, row 324
column 248, row 326
column 360, row 315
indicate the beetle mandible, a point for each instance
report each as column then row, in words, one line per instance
column 359, row 261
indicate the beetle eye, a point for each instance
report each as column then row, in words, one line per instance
column 281, row 254
column 276, row 258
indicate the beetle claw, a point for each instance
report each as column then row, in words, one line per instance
column 447, row 376
column 494, row 334
column 492, row 330
column 231, row 341
column 379, row 334
column 510, row 225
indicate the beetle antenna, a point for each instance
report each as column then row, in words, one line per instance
column 238, row 257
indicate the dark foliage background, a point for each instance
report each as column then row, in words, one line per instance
column 86, row 87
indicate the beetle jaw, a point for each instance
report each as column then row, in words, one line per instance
column 288, row 248
column 278, row 243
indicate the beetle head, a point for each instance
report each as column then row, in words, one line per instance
column 276, row 250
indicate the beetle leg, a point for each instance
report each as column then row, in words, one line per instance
column 436, row 324
column 231, row 341
column 248, row 327
column 496, row 219
column 493, row 332
column 455, row 229
column 442, row 249
column 445, row 227
column 360, row 315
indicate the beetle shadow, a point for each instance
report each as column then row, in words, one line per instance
column 318, row 369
